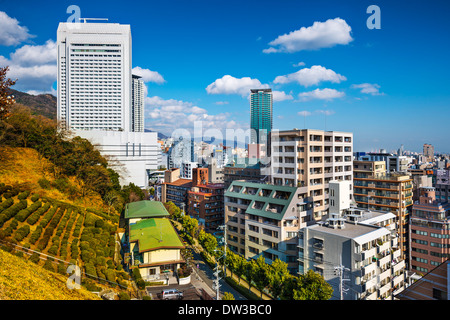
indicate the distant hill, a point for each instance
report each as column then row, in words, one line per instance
column 160, row 135
column 43, row 104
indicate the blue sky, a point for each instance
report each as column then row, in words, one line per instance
column 209, row 52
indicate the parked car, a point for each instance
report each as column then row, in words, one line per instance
column 171, row 294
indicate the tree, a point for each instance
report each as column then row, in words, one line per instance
column 6, row 99
column 250, row 268
column 260, row 274
column 228, row 296
column 277, row 276
column 208, row 241
column 190, row 225
column 312, row 286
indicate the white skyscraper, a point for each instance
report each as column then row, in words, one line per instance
column 95, row 97
column 137, row 105
column 94, row 76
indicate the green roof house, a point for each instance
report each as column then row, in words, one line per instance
column 155, row 247
column 145, row 209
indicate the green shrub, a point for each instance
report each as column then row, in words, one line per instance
column 35, row 197
column 22, row 232
column 23, row 195
column 44, row 183
column 124, row 296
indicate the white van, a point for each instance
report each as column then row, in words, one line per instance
column 171, row 294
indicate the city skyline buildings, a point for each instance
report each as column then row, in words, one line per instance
column 261, row 115
column 383, row 94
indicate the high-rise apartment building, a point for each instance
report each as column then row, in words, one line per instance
column 137, row 105
column 263, row 220
column 94, row 76
column 429, row 231
column 309, row 159
column 205, row 200
column 261, row 115
column 363, row 242
column 428, row 151
column 374, row 188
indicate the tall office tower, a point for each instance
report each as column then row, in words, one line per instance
column 137, row 104
column 261, row 118
column 310, row 159
column 428, row 151
column 94, row 76
column 95, row 96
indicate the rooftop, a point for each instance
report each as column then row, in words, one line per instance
column 155, row 233
column 180, row 183
column 145, row 209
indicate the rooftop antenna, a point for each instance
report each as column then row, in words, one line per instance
column 160, row 233
column 94, row 19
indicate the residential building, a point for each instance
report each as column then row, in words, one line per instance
column 215, row 173
column 94, row 76
column 389, row 191
column 364, row 244
column 205, row 201
column 310, row 159
column 174, row 188
column 443, row 185
column 155, row 248
column 137, row 104
column 428, row 151
column 181, row 151
column 435, row 285
column 261, row 115
column 186, row 169
column 394, row 163
column 430, row 232
column 152, row 244
column 264, row 219
column 242, row 169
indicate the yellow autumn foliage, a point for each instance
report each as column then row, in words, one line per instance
column 26, row 166
column 24, row 280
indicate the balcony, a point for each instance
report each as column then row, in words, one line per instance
column 399, row 266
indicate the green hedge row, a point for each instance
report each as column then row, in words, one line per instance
column 22, row 232
column 12, row 211
column 38, row 213
column 36, row 234
column 25, row 213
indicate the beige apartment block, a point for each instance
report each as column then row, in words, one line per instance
column 311, row 159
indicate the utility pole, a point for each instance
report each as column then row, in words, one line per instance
column 216, row 281
column 339, row 271
column 224, row 241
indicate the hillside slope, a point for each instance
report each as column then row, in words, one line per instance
column 43, row 104
column 23, row 280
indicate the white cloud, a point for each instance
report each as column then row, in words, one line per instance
column 300, row 64
column 220, row 103
column 11, row 32
column 231, row 85
column 148, row 75
column 311, row 76
column 368, row 88
column 34, row 66
column 321, row 94
column 166, row 116
column 281, row 96
column 320, row 35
